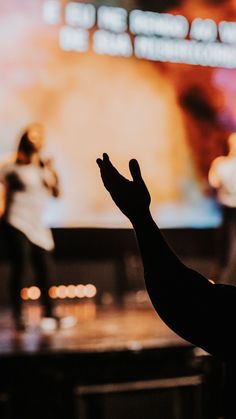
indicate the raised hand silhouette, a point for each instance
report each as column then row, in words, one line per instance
column 131, row 196
column 198, row 310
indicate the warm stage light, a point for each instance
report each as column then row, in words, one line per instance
column 71, row 291
column 53, row 292
column 34, row 293
column 61, row 292
column 24, row 294
column 80, row 292
column 211, row 280
column 90, row 291
column 141, row 296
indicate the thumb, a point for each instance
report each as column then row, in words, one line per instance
column 135, row 170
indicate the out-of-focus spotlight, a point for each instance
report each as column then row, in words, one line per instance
column 61, row 292
column 53, row 292
column 107, row 298
column 71, row 291
column 90, row 291
column 80, row 291
column 24, row 294
column 34, row 293
column 141, row 296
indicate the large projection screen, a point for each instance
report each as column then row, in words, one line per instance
column 173, row 117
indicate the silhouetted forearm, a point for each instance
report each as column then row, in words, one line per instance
column 186, row 301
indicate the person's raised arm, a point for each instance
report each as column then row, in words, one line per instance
column 186, row 301
column 51, row 179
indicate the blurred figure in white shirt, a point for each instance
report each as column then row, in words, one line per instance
column 26, row 184
column 222, row 177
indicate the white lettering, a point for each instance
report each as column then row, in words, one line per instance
column 185, row 51
column 112, row 44
column 204, row 30
column 113, row 19
column 81, row 15
column 72, row 39
column 160, row 24
column 52, row 12
column 227, row 32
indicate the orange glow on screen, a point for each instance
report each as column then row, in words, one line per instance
column 127, row 107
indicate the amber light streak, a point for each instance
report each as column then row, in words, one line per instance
column 32, row 293
column 61, row 292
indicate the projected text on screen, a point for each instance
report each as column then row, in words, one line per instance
column 147, row 35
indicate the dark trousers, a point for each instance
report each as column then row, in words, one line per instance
column 23, row 252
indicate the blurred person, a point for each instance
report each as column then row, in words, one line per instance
column 198, row 310
column 26, row 183
column 222, row 177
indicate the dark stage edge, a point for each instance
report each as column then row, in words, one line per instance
column 112, row 357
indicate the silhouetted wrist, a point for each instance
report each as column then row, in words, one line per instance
column 141, row 217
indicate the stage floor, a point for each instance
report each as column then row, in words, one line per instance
column 79, row 372
column 98, row 329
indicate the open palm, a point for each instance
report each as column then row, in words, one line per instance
column 132, row 197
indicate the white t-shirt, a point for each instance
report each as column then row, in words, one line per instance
column 223, row 175
column 26, row 208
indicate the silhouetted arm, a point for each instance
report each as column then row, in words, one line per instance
column 51, row 179
column 193, row 307
column 188, row 303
